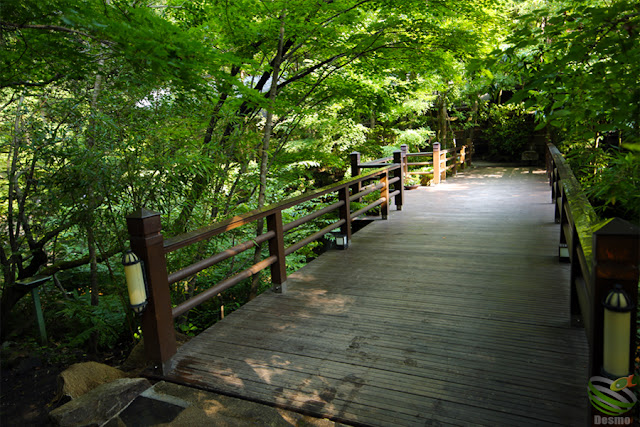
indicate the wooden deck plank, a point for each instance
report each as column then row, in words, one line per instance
column 371, row 349
column 487, row 341
column 386, row 369
column 453, row 312
column 317, row 387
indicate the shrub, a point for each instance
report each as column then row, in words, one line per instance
column 507, row 130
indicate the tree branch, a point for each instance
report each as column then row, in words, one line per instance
column 32, row 84
column 310, row 70
column 65, row 265
column 55, row 28
column 43, row 27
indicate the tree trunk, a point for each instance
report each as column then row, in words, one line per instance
column 93, row 265
column 264, row 152
column 90, row 219
column 442, row 120
column 473, row 118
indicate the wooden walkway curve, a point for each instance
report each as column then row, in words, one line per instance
column 455, row 311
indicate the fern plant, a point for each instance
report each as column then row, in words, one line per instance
column 105, row 321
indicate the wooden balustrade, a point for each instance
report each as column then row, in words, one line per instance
column 450, row 160
column 150, row 246
column 602, row 254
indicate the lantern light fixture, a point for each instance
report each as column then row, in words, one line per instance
column 342, row 241
column 617, row 332
column 135, row 282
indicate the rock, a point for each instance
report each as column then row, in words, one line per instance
column 137, row 361
column 81, row 378
column 207, row 408
column 99, row 405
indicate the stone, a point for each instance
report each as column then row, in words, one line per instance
column 99, row 405
column 208, row 408
column 137, row 362
column 81, row 378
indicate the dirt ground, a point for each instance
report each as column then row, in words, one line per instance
column 29, row 382
column 28, row 391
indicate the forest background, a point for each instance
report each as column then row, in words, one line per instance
column 109, row 106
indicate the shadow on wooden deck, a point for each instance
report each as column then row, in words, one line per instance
column 454, row 311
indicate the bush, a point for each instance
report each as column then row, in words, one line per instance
column 416, row 139
column 610, row 177
column 105, row 322
column 507, row 130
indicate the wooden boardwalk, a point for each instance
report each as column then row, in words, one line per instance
column 455, row 311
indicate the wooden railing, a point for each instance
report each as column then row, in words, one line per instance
column 450, row 160
column 602, row 254
column 150, row 246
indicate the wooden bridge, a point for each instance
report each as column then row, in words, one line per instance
column 455, row 311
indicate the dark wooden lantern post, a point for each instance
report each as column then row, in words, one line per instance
column 276, row 248
column 355, row 171
column 616, row 259
column 345, row 213
column 399, row 158
column 158, row 331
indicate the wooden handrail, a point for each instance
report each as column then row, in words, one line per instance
column 149, row 244
column 378, row 162
column 204, row 233
column 459, row 157
column 219, row 257
column 602, row 254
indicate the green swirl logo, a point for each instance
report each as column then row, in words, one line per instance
column 608, row 401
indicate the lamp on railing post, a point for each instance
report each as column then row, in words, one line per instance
column 615, row 265
column 617, row 330
column 136, row 283
column 147, row 242
column 436, row 163
column 615, row 262
column 404, row 149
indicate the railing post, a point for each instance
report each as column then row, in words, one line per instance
column 548, row 163
column 616, row 259
column 455, row 161
column 276, row 248
column 443, row 166
column 469, row 150
column 345, row 213
column 158, row 331
column 398, row 173
column 384, row 192
column 355, row 171
column 560, row 199
column 404, row 149
column 436, row 163
column 563, row 220
column 576, row 276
